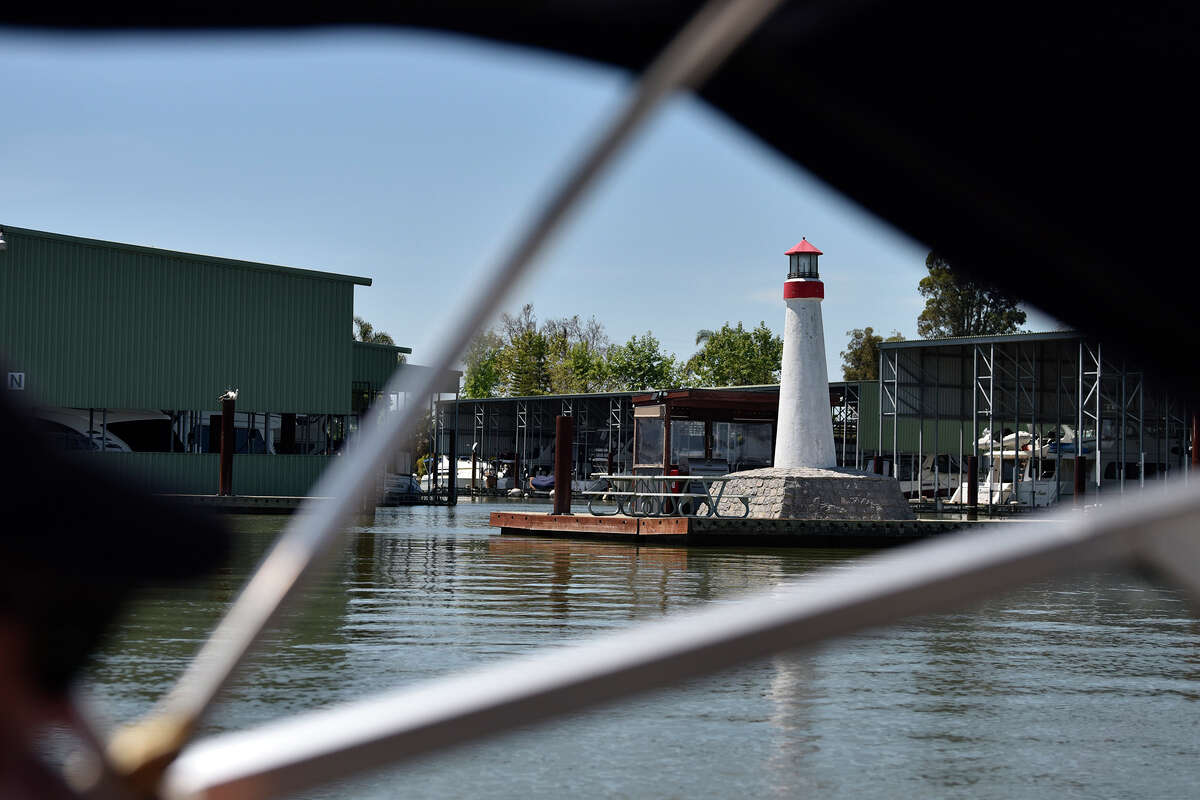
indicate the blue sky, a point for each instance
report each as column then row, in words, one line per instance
column 410, row 158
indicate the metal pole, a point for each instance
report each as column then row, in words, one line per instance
column 917, row 468
column 972, row 459
column 1079, row 462
column 845, row 420
column 896, row 416
column 920, row 458
column 992, row 427
column 1058, row 462
column 937, row 426
column 1142, row 430
column 452, row 488
column 858, row 425
column 1099, row 421
column 104, row 430
column 879, row 432
column 563, row 434
column 1121, row 406
column 1195, row 441
column 960, row 461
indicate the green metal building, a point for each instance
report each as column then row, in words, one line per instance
column 144, row 340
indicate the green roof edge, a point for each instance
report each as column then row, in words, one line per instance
column 229, row 262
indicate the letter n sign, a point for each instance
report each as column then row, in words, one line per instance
column 16, row 381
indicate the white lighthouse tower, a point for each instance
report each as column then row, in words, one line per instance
column 804, row 437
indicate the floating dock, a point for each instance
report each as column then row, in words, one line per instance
column 729, row 531
column 242, row 504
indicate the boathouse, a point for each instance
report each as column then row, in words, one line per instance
column 123, row 350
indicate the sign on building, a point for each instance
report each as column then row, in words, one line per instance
column 16, row 381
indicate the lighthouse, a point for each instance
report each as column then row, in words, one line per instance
column 804, row 436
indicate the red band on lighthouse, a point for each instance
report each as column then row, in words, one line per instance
column 793, row 289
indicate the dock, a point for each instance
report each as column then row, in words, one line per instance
column 729, row 531
column 241, row 504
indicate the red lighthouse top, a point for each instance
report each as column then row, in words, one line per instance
column 804, row 247
column 803, row 278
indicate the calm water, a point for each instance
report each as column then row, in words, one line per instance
column 1086, row 687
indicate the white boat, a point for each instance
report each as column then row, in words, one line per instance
column 487, row 475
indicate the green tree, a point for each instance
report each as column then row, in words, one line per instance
column 365, row 332
column 640, row 364
column 524, row 359
column 860, row 359
column 526, row 363
column 521, row 357
column 736, row 357
column 484, row 374
column 956, row 305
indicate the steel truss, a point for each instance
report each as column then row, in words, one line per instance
column 846, row 416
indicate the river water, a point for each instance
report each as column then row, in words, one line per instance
column 1080, row 687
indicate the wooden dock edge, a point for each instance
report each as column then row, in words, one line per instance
column 725, row 531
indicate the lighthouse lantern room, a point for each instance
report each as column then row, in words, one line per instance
column 802, row 261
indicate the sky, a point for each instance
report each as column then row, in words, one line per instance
column 411, row 158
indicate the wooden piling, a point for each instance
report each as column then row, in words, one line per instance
column 228, row 444
column 1080, row 473
column 563, row 436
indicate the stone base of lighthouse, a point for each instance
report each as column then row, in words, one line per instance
column 814, row 493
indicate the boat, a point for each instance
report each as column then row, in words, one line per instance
column 485, row 474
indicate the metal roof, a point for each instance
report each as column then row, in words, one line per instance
column 758, row 387
column 1004, row 338
column 225, row 262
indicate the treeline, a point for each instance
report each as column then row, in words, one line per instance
column 567, row 356
column 522, row 357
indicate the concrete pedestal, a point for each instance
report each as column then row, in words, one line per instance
column 816, row 493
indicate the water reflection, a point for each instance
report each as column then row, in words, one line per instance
column 1079, row 687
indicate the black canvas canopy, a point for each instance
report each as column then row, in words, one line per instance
column 1045, row 147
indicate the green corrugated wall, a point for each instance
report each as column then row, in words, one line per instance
column 375, row 363
column 196, row 473
column 96, row 324
column 909, row 436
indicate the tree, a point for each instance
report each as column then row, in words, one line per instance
column 956, row 305
column 484, row 373
column 521, row 357
column 524, row 359
column 736, row 357
column 860, row 359
column 365, row 332
column 639, row 364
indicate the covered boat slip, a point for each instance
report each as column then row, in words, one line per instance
column 516, row 434
column 1046, row 415
column 940, row 403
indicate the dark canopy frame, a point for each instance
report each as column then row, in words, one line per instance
column 1034, row 145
